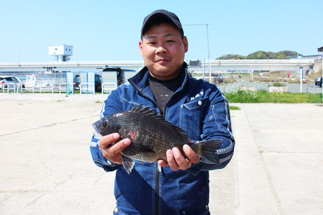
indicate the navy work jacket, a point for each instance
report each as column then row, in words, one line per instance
column 200, row 109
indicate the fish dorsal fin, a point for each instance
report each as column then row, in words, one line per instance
column 146, row 111
column 153, row 114
column 136, row 108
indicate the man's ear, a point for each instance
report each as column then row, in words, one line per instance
column 185, row 42
column 140, row 47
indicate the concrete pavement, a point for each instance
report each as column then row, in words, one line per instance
column 46, row 167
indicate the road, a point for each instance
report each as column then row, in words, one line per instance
column 46, row 167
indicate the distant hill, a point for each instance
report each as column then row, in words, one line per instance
column 261, row 55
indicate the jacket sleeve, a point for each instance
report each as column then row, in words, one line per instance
column 111, row 105
column 217, row 125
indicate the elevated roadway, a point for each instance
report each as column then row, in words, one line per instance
column 271, row 65
column 216, row 65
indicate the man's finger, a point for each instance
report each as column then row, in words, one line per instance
column 162, row 163
column 119, row 146
column 113, row 152
column 107, row 140
column 171, row 160
column 190, row 154
column 182, row 162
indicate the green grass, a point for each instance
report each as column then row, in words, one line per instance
column 263, row 96
column 277, row 84
column 234, row 108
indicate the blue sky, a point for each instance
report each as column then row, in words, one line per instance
column 106, row 30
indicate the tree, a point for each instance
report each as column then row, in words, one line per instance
column 261, row 55
column 258, row 55
column 232, row 57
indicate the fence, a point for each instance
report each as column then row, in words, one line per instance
column 37, row 83
column 64, row 83
column 60, row 83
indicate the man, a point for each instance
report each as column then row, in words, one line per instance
column 180, row 185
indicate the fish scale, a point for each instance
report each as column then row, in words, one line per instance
column 151, row 136
column 146, row 137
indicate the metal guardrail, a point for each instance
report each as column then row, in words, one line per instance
column 109, row 89
column 53, row 87
column 66, row 85
column 41, row 87
column 81, row 84
column 8, row 87
column 19, row 87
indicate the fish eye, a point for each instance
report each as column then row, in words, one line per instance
column 104, row 123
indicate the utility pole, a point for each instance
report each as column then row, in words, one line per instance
column 301, row 79
column 207, row 40
column 297, row 50
column 321, row 50
column 208, row 51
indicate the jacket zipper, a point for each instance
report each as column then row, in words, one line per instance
column 156, row 168
column 157, row 191
column 157, row 172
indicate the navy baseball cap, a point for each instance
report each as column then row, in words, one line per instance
column 161, row 13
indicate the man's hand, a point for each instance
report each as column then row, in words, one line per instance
column 113, row 153
column 176, row 161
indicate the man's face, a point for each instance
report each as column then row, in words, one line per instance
column 163, row 50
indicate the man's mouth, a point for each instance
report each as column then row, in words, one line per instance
column 162, row 60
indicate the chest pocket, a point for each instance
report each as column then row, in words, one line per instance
column 191, row 117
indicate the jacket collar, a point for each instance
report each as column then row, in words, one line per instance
column 140, row 80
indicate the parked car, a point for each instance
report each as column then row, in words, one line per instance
column 77, row 82
column 218, row 78
column 98, row 81
column 318, row 81
column 9, row 79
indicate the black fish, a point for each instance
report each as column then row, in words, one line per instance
column 151, row 136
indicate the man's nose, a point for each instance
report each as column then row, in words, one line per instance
column 161, row 50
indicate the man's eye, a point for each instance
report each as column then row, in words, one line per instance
column 151, row 43
column 170, row 41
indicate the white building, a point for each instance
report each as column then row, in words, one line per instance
column 61, row 53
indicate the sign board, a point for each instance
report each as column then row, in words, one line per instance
column 251, row 66
column 194, row 63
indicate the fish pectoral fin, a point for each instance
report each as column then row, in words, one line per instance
column 141, row 148
column 127, row 163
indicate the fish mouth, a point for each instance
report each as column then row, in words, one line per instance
column 97, row 135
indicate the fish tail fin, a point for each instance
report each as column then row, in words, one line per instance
column 207, row 150
column 127, row 163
